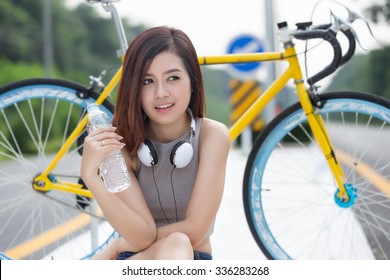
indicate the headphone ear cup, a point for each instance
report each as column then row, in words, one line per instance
column 181, row 154
column 147, row 153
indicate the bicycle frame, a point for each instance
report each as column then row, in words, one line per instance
column 293, row 71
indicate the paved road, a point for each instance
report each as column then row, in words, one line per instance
column 232, row 238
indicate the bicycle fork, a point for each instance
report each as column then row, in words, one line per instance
column 345, row 194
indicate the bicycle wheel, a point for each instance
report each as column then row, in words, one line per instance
column 289, row 192
column 36, row 116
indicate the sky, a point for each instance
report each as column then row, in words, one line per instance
column 213, row 24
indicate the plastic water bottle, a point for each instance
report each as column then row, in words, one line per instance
column 113, row 169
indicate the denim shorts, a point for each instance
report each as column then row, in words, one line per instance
column 197, row 255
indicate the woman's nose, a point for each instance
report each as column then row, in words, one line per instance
column 161, row 91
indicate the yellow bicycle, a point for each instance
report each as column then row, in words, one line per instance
column 316, row 184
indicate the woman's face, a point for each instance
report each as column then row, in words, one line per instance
column 166, row 90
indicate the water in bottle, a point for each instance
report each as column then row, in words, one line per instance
column 113, row 169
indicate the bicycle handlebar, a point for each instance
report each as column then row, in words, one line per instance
column 330, row 36
column 328, row 33
column 352, row 45
column 351, row 42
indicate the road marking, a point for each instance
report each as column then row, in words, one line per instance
column 48, row 237
column 380, row 182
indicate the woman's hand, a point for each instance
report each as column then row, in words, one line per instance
column 126, row 211
column 101, row 143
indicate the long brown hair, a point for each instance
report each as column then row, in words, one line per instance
column 129, row 117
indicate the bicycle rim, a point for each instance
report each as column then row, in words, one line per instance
column 36, row 117
column 289, row 192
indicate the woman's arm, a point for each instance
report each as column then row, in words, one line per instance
column 214, row 146
column 126, row 211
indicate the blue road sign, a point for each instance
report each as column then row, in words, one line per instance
column 245, row 44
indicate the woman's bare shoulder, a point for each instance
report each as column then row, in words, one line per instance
column 214, row 131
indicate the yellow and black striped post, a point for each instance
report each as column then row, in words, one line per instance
column 243, row 94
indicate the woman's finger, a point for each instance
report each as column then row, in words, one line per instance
column 102, row 129
column 104, row 135
column 111, row 142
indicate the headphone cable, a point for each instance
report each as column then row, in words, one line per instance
column 173, row 193
column 158, row 194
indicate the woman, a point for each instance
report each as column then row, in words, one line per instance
column 175, row 156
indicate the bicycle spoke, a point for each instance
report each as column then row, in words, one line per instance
column 291, row 205
column 65, row 133
column 38, row 133
column 18, row 153
column 33, row 130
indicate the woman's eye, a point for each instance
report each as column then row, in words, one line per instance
column 148, row 81
column 173, row 78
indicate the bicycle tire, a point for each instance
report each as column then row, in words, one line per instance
column 289, row 192
column 36, row 116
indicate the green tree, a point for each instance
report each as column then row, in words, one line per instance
column 379, row 12
column 19, row 29
column 84, row 43
column 379, row 71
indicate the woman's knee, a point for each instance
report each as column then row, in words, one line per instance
column 178, row 244
column 178, row 239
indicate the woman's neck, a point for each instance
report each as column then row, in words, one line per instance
column 165, row 133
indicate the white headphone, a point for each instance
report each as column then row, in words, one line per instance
column 181, row 153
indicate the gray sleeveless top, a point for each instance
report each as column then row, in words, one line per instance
column 167, row 190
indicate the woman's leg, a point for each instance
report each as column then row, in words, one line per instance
column 176, row 246
column 112, row 250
